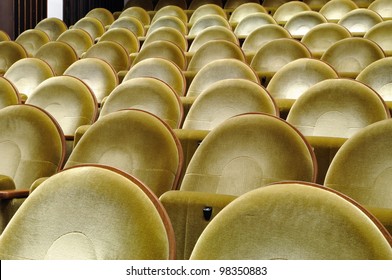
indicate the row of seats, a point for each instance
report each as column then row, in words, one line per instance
column 198, row 162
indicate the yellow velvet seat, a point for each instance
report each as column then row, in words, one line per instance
column 4, row 36
column 262, row 35
column 381, row 33
column 351, row 55
column 162, row 69
column 337, row 108
column 71, row 224
column 204, row 9
column 242, row 153
column 219, row 70
column 32, row 40
column 234, row 4
column 207, row 21
column 171, row 10
column 382, row 7
column 79, row 39
column 244, row 9
column 52, row 26
column 124, row 37
column 97, row 74
column 135, row 142
column 359, row 21
column 225, row 99
column 27, row 73
column 275, row 54
column 334, row 10
column 322, row 36
column 252, row 22
column 293, row 79
column 377, row 76
column 361, row 170
column 91, row 25
column 301, row 23
column 287, row 10
column 168, row 34
column 162, row 49
column 130, row 23
column 316, row 223
column 9, row 94
column 168, row 21
column 148, row 94
column 163, row 3
column 69, row 100
column 10, row 52
column 212, row 33
column 215, row 50
column 145, row 4
column 32, row 146
column 111, row 52
column 137, row 12
column 103, row 15
column 58, row 55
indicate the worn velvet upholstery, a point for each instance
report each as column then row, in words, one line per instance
column 102, row 14
column 10, row 52
column 293, row 221
column 244, row 9
column 225, row 99
column 52, row 26
column 337, row 108
column 242, row 153
column 27, row 73
column 148, row 94
column 92, row 26
column 135, row 142
column 32, row 40
column 171, row 10
column 99, row 75
column 9, row 94
column 89, row 212
column 130, row 23
column 362, row 170
column 137, row 12
column 205, row 22
column 78, row 39
column 169, row 34
column 124, row 37
column 300, row 24
column 381, row 33
column 32, row 146
column 251, row 22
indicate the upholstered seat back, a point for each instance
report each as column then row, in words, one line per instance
column 246, row 152
column 8, row 93
column 135, row 142
column 32, row 144
column 293, row 221
column 89, row 212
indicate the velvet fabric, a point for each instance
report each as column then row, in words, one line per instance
column 169, row 34
column 251, row 22
column 88, row 212
column 148, row 94
column 361, row 169
column 351, row 55
column 102, row 14
column 293, row 221
column 92, row 26
column 97, row 74
column 225, row 99
column 207, row 21
column 26, row 74
column 219, row 70
column 301, row 23
column 137, row 12
column 9, row 94
column 135, row 142
column 337, row 108
column 10, row 52
column 54, row 27
column 213, row 33
column 32, row 40
column 124, row 37
column 241, row 10
column 215, row 50
column 78, row 39
column 171, row 10
column 162, row 69
column 168, row 21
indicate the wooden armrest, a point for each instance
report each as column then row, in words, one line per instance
column 10, row 194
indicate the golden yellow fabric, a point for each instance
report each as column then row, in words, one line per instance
column 88, row 212
column 293, row 221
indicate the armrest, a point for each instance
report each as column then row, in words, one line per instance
column 6, row 183
column 10, row 194
column 80, row 131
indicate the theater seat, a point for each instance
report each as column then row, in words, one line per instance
column 10, row 52
column 99, row 75
column 381, row 33
column 148, row 94
column 92, row 26
column 137, row 12
column 73, row 223
column 334, row 10
column 162, row 69
column 171, row 10
column 135, row 142
column 27, row 73
column 9, row 94
column 78, row 39
column 124, row 37
column 361, row 170
column 168, row 21
column 168, row 34
column 130, row 23
column 293, row 221
column 243, row 9
column 32, row 40
column 242, row 153
column 52, row 26
column 32, row 146
column 102, row 14
column 207, row 21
